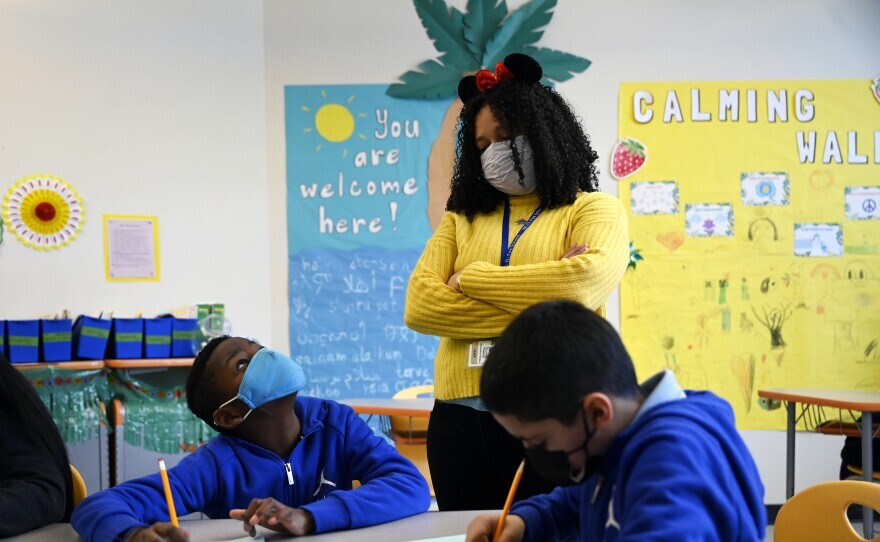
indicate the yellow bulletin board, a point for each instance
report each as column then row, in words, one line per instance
column 754, row 211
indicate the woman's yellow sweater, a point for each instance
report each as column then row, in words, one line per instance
column 492, row 295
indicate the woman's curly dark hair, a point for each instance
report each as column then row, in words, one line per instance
column 565, row 163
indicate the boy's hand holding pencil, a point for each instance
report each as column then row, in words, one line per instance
column 482, row 528
column 504, row 528
column 159, row 532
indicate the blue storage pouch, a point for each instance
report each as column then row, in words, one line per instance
column 90, row 337
column 23, row 339
column 157, row 337
column 56, row 339
column 183, row 335
column 127, row 338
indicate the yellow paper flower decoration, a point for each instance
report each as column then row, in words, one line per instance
column 43, row 212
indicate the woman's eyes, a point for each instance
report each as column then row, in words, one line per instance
column 241, row 364
column 483, row 149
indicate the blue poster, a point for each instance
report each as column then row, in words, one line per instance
column 357, row 173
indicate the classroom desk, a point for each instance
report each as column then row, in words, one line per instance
column 427, row 525
column 149, row 363
column 861, row 401
column 413, row 408
column 410, row 408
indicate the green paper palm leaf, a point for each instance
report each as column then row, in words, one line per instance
column 557, row 65
column 432, row 80
column 444, row 27
column 523, row 27
column 481, row 20
column 481, row 37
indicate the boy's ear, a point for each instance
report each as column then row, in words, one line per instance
column 599, row 409
column 225, row 418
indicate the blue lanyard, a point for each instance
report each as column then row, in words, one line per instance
column 506, row 250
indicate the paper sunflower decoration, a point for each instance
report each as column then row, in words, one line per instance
column 44, row 212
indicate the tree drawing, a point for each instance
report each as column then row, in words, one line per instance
column 773, row 321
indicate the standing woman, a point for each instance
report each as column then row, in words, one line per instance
column 525, row 223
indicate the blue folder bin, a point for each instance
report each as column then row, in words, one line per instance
column 3, row 337
column 127, row 338
column 90, row 337
column 183, row 335
column 157, row 337
column 23, row 338
column 56, row 338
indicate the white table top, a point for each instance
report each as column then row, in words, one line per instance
column 427, row 525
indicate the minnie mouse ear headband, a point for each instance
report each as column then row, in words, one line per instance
column 516, row 67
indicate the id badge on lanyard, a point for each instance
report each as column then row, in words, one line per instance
column 507, row 250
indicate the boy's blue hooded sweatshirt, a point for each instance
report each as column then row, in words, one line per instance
column 680, row 472
column 227, row 472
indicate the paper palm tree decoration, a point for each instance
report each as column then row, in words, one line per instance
column 478, row 38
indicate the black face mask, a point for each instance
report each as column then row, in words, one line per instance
column 554, row 467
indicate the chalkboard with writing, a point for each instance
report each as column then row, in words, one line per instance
column 347, row 329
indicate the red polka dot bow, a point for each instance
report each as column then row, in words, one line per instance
column 487, row 79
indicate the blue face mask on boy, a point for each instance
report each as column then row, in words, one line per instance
column 270, row 375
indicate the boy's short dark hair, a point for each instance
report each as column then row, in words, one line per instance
column 552, row 356
column 201, row 395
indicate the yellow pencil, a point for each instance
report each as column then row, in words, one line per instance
column 516, row 478
column 168, row 497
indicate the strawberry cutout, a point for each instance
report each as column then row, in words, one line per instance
column 627, row 157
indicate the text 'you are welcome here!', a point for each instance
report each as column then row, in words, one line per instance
column 366, row 186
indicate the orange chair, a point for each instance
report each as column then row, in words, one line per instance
column 819, row 512
column 412, row 430
column 410, row 435
column 79, row 486
column 858, row 471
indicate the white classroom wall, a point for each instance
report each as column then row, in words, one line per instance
column 174, row 108
column 146, row 108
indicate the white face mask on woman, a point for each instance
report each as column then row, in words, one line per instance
column 500, row 169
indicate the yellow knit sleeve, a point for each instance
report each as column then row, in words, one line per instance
column 434, row 308
column 597, row 220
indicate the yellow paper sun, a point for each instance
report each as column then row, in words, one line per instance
column 334, row 122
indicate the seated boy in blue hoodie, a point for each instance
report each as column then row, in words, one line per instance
column 282, row 462
column 640, row 462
